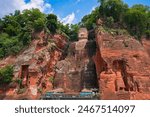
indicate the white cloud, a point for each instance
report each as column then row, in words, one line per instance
column 8, row 6
column 77, row 1
column 69, row 19
column 93, row 8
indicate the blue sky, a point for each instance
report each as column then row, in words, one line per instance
column 132, row 2
column 68, row 11
column 79, row 8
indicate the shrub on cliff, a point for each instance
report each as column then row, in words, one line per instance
column 8, row 45
column 89, row 21
column 147, row 34
column 113, row 8
column 52, row 23
column 17, row 30
column 109, row 21
column 39, row 24
column 69, row 31
column 6, row 75
column 136, row 19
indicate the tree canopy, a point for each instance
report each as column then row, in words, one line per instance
column 117, row 14
column 16, row 30
column 137, row 20
column 52, row 23
column 89, row 21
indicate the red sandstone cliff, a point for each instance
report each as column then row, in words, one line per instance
column 123, row 67
column 34, row 68
column 118, row 65
column 146, row 44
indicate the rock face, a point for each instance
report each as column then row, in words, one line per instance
column 34, row 68
column 77, row 70
column 118, row 66
column 146, row 44
column 123, row 67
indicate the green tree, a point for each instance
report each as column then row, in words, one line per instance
column 74, row 28
column 89, row 21
column 17, row 13
column 8, row 45
column 136, row 20
column 11, row 26
column 109, row 21
column 16, row 30
column 1, row 25
column 26, row 38
column 64, row 28
column 39, row 24
column 115, row 9
column 147, row 32
column 101, row 8
column 52, row 23
column 6, row 75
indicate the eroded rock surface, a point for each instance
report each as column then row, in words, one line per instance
column 124, row 70
column 77, row 71
column 34, row 68
column 117, row 65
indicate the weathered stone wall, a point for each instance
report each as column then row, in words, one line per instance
column 77, row 71
column 126, row 67
column 118, row 65
column 34, row 68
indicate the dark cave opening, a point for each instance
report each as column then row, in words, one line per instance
column 25, row 73
column 120, row 65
